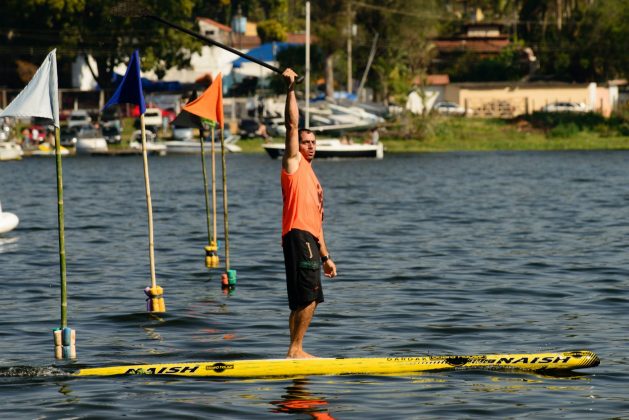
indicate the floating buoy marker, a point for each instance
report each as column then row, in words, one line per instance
column 65, row 343
column 231, row 277
column 211, row 255
column 155, row 299
column 228, row 281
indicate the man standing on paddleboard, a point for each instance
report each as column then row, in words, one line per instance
column 305, row 251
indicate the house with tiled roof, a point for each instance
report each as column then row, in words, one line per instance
column 214, row 30
column 482, row 39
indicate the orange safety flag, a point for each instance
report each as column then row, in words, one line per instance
column 210, row 104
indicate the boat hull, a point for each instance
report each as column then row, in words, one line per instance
column 10, row 151
column 8, row 222
column 333, row 149
column 192, row 147
column 90, row 146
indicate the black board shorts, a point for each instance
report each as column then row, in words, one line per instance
column 303, row 268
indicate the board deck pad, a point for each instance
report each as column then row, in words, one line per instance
column 553, row 361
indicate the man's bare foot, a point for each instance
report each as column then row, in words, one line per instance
column 300, row 355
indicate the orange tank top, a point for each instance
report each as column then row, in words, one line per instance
column 303, row 200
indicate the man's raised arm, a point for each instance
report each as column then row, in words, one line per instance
column 290, row 160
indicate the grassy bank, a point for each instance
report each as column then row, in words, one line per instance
column 477, row 134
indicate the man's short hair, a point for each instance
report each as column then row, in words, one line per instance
column 304, row 130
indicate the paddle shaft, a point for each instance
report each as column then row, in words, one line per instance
column 220, row 45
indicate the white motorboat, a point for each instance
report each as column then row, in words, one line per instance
column 8, row 221
column 333, row 148
column 152, row 146
column 90, row 141
column 194, row 146
column 10, row 150
column 188, row 147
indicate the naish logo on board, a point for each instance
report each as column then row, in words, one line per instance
column 526, row 360
column 219, row 367
column 166, row 370
column 456, row 361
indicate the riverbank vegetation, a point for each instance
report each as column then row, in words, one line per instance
column 538, row 131
column 480, row 134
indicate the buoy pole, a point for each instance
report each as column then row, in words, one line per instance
column 61, row 228
column 229, row 274
column 155, row 301
column 214, row 239
column 64, row 337
column 211, row 250
column 206, row 191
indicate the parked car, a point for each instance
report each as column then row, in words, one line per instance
column 112, row 133
column 111, row 117
column 152, row 120
column 153, row 117
column 78, row 118
column 449, row 108
column 565, row 107
column 68, row 136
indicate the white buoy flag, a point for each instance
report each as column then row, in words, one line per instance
column 39, row 98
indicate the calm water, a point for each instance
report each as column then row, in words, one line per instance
column 437, row 253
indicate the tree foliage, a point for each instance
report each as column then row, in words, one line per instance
column 78, row 27
column 404, row 53
column 507, row 65
column 577, row 40
column 573, row 40
column 271, row 30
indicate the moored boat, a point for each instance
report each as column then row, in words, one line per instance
column 333, row 148
column 152, row 148
column 193, row 147
column 90, row 141
column 8, row 221
column 47, row 150
column 10, row 151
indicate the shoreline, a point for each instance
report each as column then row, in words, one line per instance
column 401, row 146
column 453, row 134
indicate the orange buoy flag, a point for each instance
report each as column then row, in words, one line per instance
column 210, row 104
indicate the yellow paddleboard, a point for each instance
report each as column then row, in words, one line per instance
column 356, row 366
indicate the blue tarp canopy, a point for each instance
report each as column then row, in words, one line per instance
column 149, row 85
column 265, row 52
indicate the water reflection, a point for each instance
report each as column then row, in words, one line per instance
column 299, row 400
column 8, row 244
